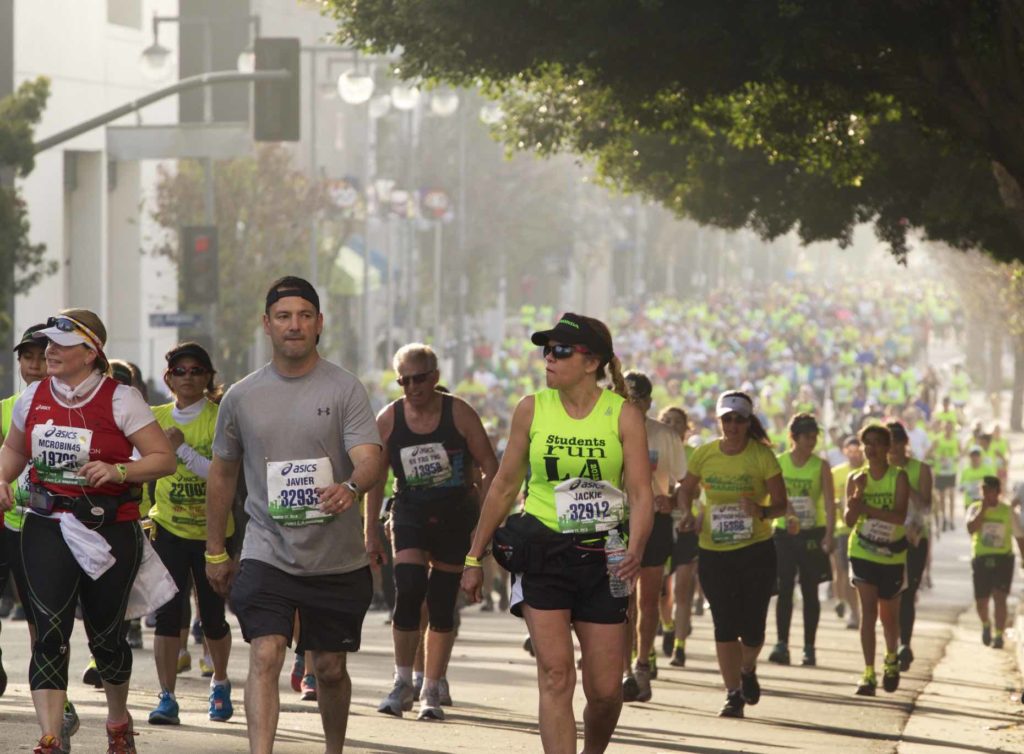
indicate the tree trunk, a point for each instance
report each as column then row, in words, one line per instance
column 975, row 349
column 1017, row 399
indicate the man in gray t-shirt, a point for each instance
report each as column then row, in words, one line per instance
column 302, row 431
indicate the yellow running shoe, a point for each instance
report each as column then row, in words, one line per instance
column 184, row 662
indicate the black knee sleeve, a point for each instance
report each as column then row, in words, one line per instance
column 442, row 591
column 410, row 591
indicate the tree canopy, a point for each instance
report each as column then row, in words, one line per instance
column 807, row 114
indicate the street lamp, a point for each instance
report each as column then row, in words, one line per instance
column 444, row 103
column 156, row 62
column 354, row 88
column 405, row 97
column 491, row 113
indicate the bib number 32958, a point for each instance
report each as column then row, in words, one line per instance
column 292, row 496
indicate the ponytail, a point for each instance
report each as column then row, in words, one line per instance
column 756, row 431
column 615, row 375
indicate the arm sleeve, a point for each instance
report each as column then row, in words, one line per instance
column 358, row 425
column 193, row 460
column 226, row 441
column 131, row 412
column 21, row 406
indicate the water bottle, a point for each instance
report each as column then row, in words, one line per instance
column 614, row 553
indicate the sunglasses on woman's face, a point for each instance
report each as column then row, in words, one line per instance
column 414, row 378
column 190, row 371
column 564, row 351
column 735, row 419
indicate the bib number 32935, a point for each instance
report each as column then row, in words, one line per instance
column 292, row 496
column 58, row 452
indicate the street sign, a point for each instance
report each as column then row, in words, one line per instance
column 175, row 319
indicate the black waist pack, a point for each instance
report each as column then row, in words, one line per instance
column 525, row 545
column 93, row 510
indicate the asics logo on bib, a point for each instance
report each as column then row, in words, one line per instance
column 61, row 434
column 301, row 468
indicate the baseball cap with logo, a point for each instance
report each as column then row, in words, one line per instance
column 572, row 329
column 730, row 402
column 28, row 338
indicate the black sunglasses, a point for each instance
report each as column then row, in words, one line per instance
column 734, row 418
column 193, row 371
column 564, row 350
column 66, row 324
column 414, row 378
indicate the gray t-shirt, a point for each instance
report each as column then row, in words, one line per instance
column 285, row 427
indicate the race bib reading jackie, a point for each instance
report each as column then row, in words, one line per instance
column 426, row 465
column 58, row 452
column 585, row 505
column 292, row 497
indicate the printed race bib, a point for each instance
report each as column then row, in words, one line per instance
column 426, row 465
column 993, row 534
column 730, row 524
column 877, row 530
column 947, row 466
column 805, row 511
column 292, row 490
column 58, row 452
column 585, row 505
column 973, row 490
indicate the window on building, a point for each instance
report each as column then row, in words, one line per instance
column 125, row 13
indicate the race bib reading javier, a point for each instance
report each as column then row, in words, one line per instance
column 805, row 511
column 426, row 465
column 586, row 505
column 58, row 452
column 292, row 486
column 730, row 524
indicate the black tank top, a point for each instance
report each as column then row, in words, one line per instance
column 428, row 467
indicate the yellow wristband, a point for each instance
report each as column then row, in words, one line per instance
column 122, row 472
column 217, row 559
column 472, row 562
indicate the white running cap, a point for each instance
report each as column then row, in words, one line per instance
column 729, row 402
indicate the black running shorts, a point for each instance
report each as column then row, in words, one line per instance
column 440, row 528
column 579, row 584
column 685, row 550
column 889, row 579
column 992, row 573
column 659, row 544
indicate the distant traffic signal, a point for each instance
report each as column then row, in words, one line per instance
column 276, row 103
column 199, row 268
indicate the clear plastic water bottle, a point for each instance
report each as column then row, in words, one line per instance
column 614, row 553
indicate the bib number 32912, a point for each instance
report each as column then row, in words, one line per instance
column 292, row 496
column 587, row 505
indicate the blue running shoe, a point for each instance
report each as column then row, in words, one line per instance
column 220, row 702
column 166, row 712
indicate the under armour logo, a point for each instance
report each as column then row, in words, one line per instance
column 322, row 411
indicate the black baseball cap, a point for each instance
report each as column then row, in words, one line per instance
column 290, row 285
column 573, row 329
column 28, row 340
column 193, row 349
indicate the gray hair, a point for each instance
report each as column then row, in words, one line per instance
column 419, row 352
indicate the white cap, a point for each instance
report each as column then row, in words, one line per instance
column 729, row 402
column 62, row 338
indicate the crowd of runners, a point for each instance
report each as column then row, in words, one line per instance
column 799, row 440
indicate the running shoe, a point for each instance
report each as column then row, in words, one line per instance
column 91, row 676
column 698, row 607
column 733, row 706
column 221, row 709
column 868, row 684
column 135, row 634
column 308, row 687
column 779, row 654
column 444, row 692
column 298, row 670
column 853, row 622
column 750, row 687
column 630, row 688
column 986, row 635
column 48, row 745
column 997, row 643
column 678, row 657
column 810, row 659
column 642, row 677
column 69, row 724
column 121, row 738
column 398, row 700
column 197, row 631
column 652, row 663
column 166, row 711
column 417, row 684
column 906, row 657
column 668, row 641
column 3, row 675
column 430, row 705
column 890, row 673
column 184, row 661
column 206, row 666
column 840, row 609
column 487, row 606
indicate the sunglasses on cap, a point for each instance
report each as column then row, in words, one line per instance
column 66, row 324
column 191, row 371
column 564, row 350
column 414, row 378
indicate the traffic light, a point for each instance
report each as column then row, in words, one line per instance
column 276, row 103
column 198, row 271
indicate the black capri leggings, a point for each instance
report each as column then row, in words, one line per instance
column 12, row 538
column 55, row 585
column 738, row 584
column 184, row 557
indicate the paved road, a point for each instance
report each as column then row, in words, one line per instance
column 493, row 683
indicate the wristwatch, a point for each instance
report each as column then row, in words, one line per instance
column 352, row 486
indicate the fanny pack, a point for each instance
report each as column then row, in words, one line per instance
column 93, row 510
column 525, row 545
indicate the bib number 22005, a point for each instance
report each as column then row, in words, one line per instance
column 293, row 497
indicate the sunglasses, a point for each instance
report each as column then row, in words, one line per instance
column 66, row 324
column 414, row 378
column 190, row 371
column 734, row 418
column 564, row 351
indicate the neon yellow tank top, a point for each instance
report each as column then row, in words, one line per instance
column 575, row 483
column 995, row 537
column 803, row 488
column 180, row 504
column 871, row 534
column 16, row 515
